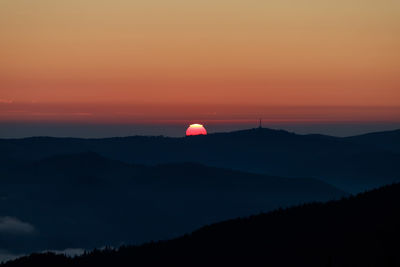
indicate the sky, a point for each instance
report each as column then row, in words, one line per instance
column 175, row 61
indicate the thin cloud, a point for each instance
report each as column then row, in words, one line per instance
column 71, row 252
column 12, row 225
column 6, row 255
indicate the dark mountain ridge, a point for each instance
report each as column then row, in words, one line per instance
column 357, row 231
column 343, row 162
column 85, row 200
column 389, row 140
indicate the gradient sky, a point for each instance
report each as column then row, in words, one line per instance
column 79, row 56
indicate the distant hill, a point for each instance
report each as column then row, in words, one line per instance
column 359, row 231
column 349, row 163
column 389, row 140
column 86, row 200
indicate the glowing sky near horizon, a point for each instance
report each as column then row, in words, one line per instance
column 237, row 53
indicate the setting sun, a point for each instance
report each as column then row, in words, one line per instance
column 196, row 129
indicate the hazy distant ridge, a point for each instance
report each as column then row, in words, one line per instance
column 354, row 164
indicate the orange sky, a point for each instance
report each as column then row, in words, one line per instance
column 243, row 53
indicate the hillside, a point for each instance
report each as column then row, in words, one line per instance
column 389, row 140
column 351, row 165
column 359, row 231
column 86, row 200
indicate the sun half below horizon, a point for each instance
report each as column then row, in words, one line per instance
column 196, row 129
column 164, row 63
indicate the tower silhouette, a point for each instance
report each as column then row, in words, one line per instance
column 260, row 125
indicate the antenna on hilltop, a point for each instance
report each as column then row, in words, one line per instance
column 260, row 124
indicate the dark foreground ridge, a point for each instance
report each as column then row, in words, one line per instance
column 357, row 231
column 87, row 201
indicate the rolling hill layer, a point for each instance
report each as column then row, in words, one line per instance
column 358, row 231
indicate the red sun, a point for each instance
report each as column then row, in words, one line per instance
column 196, row 129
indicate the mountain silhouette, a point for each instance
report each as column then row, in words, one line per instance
column 388, row 140
column 86, row 200
column 352, row 164
column 357, row 231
